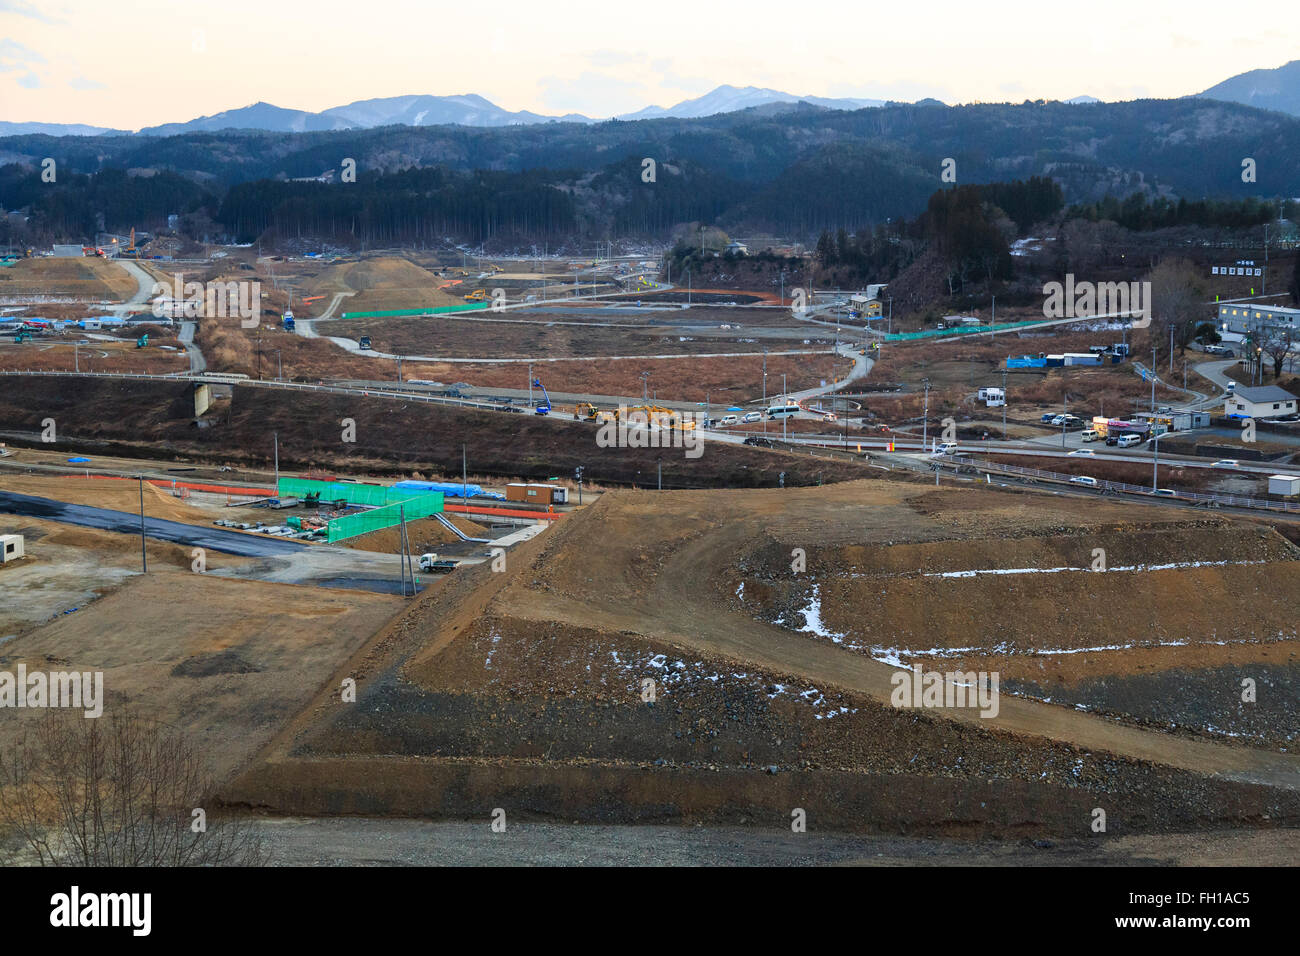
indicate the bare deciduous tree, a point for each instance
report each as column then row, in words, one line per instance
column 1277, row 343
column 1175, row 300
column 115, row 791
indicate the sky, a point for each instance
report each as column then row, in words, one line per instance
column 133, row 63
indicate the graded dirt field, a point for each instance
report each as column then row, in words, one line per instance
column 771, row 682
column 82, row 278
column 531, row 338
column 227, row 661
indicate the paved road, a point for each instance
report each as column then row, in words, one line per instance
column 214, row 539
column 143, row 288
column 186, row 337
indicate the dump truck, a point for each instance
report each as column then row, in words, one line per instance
column 431, row 563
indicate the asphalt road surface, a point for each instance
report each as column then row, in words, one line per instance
column 214, row 539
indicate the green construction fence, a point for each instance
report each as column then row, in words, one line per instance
column 364, row 522
column 959, row 330
column 385, row 504
column 437, row 310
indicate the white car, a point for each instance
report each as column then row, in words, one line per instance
column 1226, row 463
column 1083, row 453
column 1084, row 480
column 752, row 417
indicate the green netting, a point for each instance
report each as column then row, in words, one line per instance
column 355, row 494
column 959, row 330
column 349, row 526
column 437, row 310
column 386, row 504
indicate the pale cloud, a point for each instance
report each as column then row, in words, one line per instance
column 22, row 9
column 15, row 56
column 84, row 83
column 31, row 82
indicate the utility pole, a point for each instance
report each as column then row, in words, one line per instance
column 1004, row 404
column 144, row 555
column 276, row 438
column 1153, row 379
column 530, row 384
column 1155, row 462
column 1065, row 411
column 993, row 321
column 661, row 474
column 925, row 416
column 890, row 329
column 464, row 474
column 784, row 418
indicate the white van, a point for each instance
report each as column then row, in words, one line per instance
column 752, row 417
column 1084, row 480
column 728, row 420
column 946, row 448
column 1090, row 434
column 1128, row 441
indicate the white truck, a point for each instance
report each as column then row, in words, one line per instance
column 430, row 563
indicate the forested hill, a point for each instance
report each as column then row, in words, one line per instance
column 796, row 170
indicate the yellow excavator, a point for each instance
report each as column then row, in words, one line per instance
column 478, row 295
column 586, row 412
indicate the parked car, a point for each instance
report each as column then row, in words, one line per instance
column 1085, row 480
column 752, row 417
column 1112, row 440
column 1128, row 441
column 758, row 441
column 1090, row 434
column 1047, row 418
column 1057, row 420
column 728, row 420
column 946, row 448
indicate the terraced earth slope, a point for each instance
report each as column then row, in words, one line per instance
column 727, row 656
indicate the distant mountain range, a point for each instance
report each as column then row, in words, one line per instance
column 1277, row 89
column 728, row 99
column 424, row 110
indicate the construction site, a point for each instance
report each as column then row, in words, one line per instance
column 403, row 553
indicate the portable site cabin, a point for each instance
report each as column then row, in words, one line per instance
column 1286, row 485
column 11, row 547
column 537, row 493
